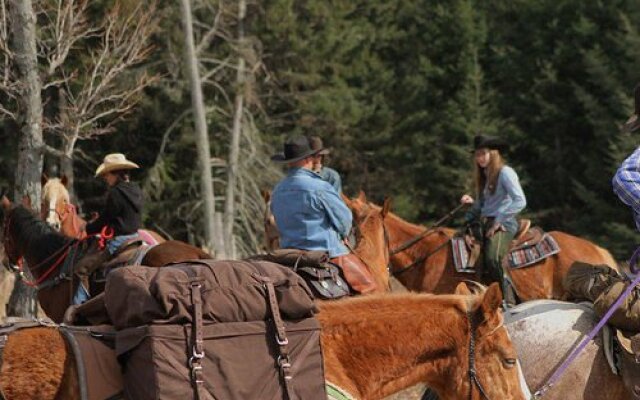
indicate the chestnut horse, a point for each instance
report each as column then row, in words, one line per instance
column 373, row 346
column 427, row 265
column 45, row 251
column 58, row 211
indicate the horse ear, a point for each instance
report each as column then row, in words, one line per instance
column 44, row 179
column 463, row 289
column 362, row 197
column 491, row 303
column 26, row 201
column 346, row 200
column 5, row 202
column 64, row 180
column 266, row 195
column 386, row 206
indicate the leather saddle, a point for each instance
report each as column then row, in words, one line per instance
column 526, row 236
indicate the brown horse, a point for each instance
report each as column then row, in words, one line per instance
column 58, row 211
column 427, row 265
column 373, row 346
column 45, row 251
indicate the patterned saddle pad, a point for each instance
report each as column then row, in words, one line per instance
column 524, row 256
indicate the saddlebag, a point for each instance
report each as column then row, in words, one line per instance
column 216, row 330
column 323, row 277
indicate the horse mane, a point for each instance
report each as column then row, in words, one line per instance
column 37, row 237
column 55, row 185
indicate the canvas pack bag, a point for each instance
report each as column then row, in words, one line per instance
column 216, row 330
column 625, row 317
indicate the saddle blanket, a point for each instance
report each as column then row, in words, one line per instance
column 461, row 255
column 525, row 256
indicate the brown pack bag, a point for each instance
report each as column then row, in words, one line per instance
column 214, row 330
column 587, row 281
column 232, row 292
column 627, row 316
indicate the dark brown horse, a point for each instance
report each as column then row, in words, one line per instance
column 427, row 265
column 373, row 346
column 47, row 252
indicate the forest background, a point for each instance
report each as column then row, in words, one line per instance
column 396, row 88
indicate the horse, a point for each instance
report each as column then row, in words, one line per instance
column 46, row 252
column 544, row 332
column 57, row 211
column 426, row 264
column 372, row 347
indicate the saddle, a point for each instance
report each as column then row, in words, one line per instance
column 526, row 236
column 323, row 277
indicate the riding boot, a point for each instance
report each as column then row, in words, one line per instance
column 495, row 248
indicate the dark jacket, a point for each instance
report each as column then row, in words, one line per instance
column 122, row 212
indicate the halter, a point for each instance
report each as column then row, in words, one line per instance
column 473, row 374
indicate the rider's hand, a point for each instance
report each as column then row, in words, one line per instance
column 466, row 199
column 497, row 227
column 93, row 216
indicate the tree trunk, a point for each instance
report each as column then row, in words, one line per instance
column 234, row 147
column 202, row 136
column 30, row 159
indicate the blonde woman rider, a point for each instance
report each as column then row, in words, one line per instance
column 499, row 199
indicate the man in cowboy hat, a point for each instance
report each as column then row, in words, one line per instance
column 122, row 213
column 310, row 214
column 328, row 174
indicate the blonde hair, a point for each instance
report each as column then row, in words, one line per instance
column 488, row 176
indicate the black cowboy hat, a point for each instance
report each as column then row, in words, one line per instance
column 316, row 144
column 633, row 123
column 296, row 148
column 489, row 142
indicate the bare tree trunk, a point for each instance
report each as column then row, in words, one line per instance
column 234, row 147
column 30, row 159
column 202, row 136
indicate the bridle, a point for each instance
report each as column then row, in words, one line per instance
column 473, row 373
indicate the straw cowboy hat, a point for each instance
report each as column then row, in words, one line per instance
column 489, row 142
column 296, row 148
column 115, row 162
column 633, row 123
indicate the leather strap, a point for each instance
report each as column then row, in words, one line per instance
column 284, row 362
column 197, row 354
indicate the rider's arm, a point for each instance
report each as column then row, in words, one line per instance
column 626, row 183
column 110, row 210
column 511, row 184
column 339, row 214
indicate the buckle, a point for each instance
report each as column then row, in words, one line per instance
column 281, row 342
column 196, row 374
column 196, row 353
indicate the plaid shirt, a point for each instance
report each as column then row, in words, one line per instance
column 626, row 184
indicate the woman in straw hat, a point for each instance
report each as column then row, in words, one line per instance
column 499, row 200
column 121, row 216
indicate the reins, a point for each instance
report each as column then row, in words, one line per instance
column 428, row 231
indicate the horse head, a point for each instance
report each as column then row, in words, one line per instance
column 629, row 359
column 55, row 200
column 359, row 205
column 492, row 364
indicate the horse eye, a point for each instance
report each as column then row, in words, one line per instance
column 509, row 362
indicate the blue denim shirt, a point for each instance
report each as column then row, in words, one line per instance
column 310, row 214
column 503, row 204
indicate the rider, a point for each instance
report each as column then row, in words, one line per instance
column 328, row 174
column 310, row 214
column 122, row 213
column 500, row 199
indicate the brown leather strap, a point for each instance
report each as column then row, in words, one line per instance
column 197, row 351
column 284, row 362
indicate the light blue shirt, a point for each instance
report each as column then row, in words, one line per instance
column 310, row 214
column 503, row 204
column 333, row 177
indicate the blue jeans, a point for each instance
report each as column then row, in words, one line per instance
column 117, row 241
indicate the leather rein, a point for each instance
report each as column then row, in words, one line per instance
column 416, row 239
column 473, row 373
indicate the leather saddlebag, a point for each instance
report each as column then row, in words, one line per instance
column 218, row 330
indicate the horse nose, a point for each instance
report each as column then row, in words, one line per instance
column 56, row 226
